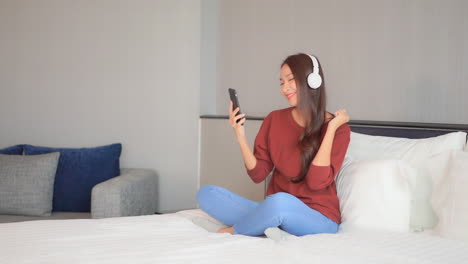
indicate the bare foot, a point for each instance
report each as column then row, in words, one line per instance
column 229, row 230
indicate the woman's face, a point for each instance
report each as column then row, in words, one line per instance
column 288, row 85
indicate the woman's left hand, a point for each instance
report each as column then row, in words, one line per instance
column 341, row 117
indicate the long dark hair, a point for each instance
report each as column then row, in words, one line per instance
column 311, row 105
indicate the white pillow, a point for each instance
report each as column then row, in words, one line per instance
column 449, row 171
column 363, row 147
column 374, row 194
column 415, row 152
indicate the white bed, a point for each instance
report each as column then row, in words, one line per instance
column 174, row 238
column 377, row 194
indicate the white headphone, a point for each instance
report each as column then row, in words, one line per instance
column 314, row 80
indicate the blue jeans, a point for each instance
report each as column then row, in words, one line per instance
column 252, row 218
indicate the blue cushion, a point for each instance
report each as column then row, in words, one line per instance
column 78, row 171
column 13, row 150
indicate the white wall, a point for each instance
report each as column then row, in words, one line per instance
column 384, row 60
column 88, row 73
column 208, row 59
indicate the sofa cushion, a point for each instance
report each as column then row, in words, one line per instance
column 13, row 150
column 26, row 184
column 78, row 171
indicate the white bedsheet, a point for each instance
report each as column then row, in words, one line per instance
column 173, row 238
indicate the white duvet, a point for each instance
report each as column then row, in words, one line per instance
column 174, row 238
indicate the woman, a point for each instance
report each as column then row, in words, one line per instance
column 304, row 146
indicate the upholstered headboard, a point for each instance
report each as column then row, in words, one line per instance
column 221, row 162
column 388, row 128
column 404, row 129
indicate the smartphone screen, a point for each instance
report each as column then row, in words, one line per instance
column 235, row 101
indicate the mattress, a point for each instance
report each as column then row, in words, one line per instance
column 179, row 238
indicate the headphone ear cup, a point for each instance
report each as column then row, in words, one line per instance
column 314, row 80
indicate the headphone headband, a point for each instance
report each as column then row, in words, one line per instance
column 314, row 80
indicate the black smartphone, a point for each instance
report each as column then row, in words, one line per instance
column 235, row 101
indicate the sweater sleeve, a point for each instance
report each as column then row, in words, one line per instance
column 264, row 164
column 320, row 177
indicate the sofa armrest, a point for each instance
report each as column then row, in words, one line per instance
column 134, row 192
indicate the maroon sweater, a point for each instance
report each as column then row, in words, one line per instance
column 276, row 146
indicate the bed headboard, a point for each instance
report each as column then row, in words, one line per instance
column 388, row 128
column 404, row 129
column 220, row 159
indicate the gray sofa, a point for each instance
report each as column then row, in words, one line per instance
column 132, row 193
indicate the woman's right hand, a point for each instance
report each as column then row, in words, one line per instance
column 237, row 126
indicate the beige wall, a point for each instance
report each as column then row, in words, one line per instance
column 221, row 161
column 86, row 73
column 384, row 60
